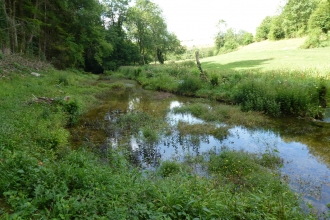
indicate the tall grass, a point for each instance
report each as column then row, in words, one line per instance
column 276, row 93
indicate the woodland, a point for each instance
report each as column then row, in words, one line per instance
column 86, row 34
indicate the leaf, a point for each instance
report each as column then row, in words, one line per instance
column 206, row 210
column 177, row 207
column 256, row 197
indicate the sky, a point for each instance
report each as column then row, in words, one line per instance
column 194, row 22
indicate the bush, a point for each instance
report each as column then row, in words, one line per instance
column 71, row 108
column 189, row 85
column 313, row 39
column 276, row 31
column 247, row 38
column 214, row 80
column 168, row 168
column 263, row 29
column 256, row 96
column 230, row 45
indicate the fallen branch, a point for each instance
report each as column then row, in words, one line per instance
column 42, row 100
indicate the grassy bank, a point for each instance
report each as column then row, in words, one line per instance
column 276, row 93
column 42, row 177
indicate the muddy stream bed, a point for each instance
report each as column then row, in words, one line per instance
column 304, row 145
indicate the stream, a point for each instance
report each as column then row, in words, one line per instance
column 304, row 145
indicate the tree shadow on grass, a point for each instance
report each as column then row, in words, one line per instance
column 238, row 65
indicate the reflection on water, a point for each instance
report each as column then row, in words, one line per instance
column 304, row 145
column 327, row 115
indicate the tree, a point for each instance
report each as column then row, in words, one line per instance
column 276, row 31
column 319, row 26
column 296, row 14
column 321, row 17
column 220, row 37
column 146, row 26
column 228, row 39
column 263, row 29
column 247, row 38
column 124, row 51
column 4, row 29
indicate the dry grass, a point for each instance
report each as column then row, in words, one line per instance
column 15, row 63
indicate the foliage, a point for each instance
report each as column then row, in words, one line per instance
column 91, row 35
column 263, row 29
column 227, row 39
column 276, row 30
column 168, row 168
column 287, row 93
column 147, row 27
column 189, row 85
column 321, row 17
column 319, row 25
column 313, row 40
column 247, row 39
column 214, row 80
column 296, row 15
column 297, row 19
column 230, row 45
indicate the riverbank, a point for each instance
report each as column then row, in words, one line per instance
column 44, row 177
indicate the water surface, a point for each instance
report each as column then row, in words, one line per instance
column 303, row 144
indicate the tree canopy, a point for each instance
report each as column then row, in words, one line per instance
column 88, row 34
column 299, row 18
column 228, row 39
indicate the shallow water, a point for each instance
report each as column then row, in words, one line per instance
column 304, row 145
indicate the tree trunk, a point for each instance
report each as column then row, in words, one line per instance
column 11, row 7
column 34, row 17
column 14, row 28
column 5, row 39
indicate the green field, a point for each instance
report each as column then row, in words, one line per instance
column 272, row 55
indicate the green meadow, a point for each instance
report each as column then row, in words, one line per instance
column 273, row 55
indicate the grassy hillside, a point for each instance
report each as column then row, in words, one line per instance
column 272, row 55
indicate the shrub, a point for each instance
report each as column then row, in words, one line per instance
column 72, row 110
column 168, row 168
column 263, row 29
column 313, row 39
column 232, row 164
column 63, row 80
column 214, row 80
column 247, row 38
column 230, row 45
column 189, row 85
column 257, row 96
column 276, row 31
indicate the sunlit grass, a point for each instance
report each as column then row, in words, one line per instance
column 272, row 55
